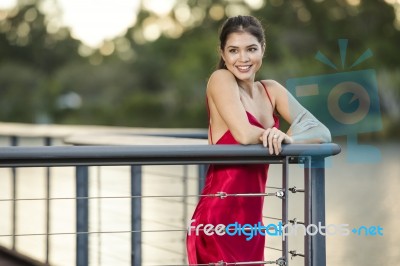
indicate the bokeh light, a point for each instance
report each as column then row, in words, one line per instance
column 92, row 21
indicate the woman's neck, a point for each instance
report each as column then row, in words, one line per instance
column 247, row 86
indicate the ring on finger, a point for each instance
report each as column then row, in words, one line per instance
column 275, row 136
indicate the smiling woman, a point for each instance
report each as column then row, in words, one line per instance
column 244, row 111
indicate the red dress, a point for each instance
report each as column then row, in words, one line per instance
column 246, row 178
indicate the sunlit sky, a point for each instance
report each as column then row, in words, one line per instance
column 93, row 21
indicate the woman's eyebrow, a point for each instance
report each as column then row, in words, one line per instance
column 233, row 46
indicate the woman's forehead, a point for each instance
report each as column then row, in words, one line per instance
column 241, row 39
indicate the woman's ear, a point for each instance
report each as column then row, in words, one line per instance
column 263, row 48
column 221, row 52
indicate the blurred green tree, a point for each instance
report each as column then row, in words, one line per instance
column 156, row 74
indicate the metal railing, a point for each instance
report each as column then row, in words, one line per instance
column 15, row 134
column 312, row 156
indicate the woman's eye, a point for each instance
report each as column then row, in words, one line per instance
column 233, row 51
column 253, row 49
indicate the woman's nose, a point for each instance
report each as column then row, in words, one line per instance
column 243, row 57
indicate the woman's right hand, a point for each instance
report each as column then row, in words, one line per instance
column 273, row 139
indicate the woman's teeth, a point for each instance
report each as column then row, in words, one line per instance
column 243, row 68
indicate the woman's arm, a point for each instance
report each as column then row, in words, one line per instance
column 223, row 94
column 304, row 127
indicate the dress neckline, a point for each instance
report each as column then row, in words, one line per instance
column 250, row 116
column 253, row 120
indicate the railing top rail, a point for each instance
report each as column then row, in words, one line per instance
column 160, row 138
column 156, row 154
column 62, row 131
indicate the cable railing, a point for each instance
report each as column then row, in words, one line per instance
column 170, row 150
column 311, row 156
column 16, row 134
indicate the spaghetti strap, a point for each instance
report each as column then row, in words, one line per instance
column 265, row 88
column 209, row 124
column 275, row 116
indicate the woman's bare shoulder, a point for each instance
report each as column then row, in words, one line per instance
column 270, row 83
column 220, row 80
column 273, row 87
column 221, row 74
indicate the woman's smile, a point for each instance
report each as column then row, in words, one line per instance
column 244, row 68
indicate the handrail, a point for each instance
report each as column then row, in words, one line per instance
column 157, row 154
column 189, row 151
column 63, row 131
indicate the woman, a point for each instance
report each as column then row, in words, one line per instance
column 243, row 111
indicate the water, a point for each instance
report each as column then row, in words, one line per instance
column 356, row 194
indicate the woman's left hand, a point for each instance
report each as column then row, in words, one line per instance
column 273, row 139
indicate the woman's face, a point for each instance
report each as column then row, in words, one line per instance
column 243, row 55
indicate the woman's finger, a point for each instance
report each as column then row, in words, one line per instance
column 270, row 140
column 265, row 137
column 280, row 140
column 275, row 140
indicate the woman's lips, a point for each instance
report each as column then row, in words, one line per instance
column 244, row 69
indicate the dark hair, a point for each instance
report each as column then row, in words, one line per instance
column 247, row 24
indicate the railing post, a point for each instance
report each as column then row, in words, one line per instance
column 14, row 142
column 285, row 208
column 136, row 215
column 202, row 171
column 314, row 211
column 47, row 142
column 185, row 205
column 307, row 210
column 82, row 216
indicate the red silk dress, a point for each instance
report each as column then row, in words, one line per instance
column 246, row 178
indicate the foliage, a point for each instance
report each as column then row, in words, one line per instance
column 161, row 83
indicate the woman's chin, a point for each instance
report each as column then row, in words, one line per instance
column 244, row 76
